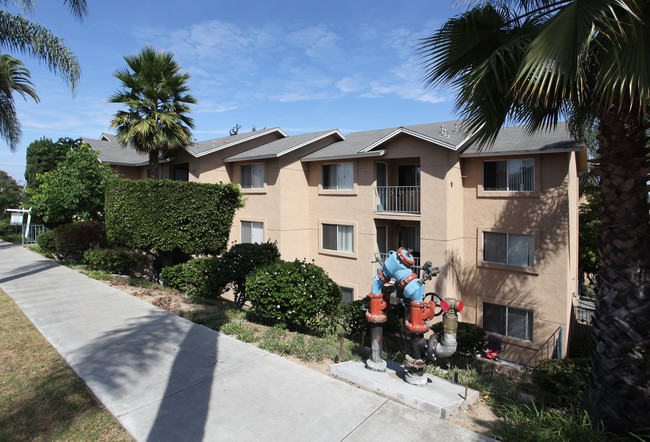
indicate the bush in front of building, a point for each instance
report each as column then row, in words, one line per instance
column 294, row 293
column 471, row 339
column 171, row 220
column 561, row 381
column 123, row 262
column 208, row 277
column 70, row 241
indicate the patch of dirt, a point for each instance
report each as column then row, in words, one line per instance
column 477, row 417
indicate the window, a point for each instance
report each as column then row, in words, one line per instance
column 252, row 176
column 508, row 321
column 348, row 294
column 181, row 172
column 509, row 248
column 509, row 175
column 338, row 238
column 252, row 232
column 338, row 176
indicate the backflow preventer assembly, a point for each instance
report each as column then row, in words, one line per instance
column 406, row 287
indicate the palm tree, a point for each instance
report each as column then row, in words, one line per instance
column 14, row 77
column 19, row 34
column 155, row 93
column 535, row 62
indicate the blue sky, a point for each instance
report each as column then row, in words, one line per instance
column 299, row 65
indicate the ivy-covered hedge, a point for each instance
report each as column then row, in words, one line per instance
column 294, row 292
column 163, row 216
column 119, row 261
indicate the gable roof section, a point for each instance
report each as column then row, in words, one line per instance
column 515, row 141
column 112, row 152
column 207, row 147
column 447, row 134
column 283, row 146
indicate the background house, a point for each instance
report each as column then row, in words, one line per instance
column 501, row 222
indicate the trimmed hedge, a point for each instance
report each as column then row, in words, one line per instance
column 123, row 262
column 46, row 242
column 163, row 216
column 296, row 292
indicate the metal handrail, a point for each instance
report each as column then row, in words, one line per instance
column 556, row 338
column 401, row 199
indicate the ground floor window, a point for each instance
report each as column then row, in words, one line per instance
column 338, row 237
column 181, row 172
column 508, row 321
column 348, row 294
column 252, row 232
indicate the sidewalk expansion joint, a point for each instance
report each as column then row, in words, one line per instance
column 366, row 419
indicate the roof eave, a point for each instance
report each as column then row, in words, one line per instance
column 373, row 154
column 520, row 152
column 257, row 134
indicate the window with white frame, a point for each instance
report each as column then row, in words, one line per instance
column 348, row 294
column 252, row 176
column 252, row 232
column 338, row 176
column 508, row 321
column 339, row 238
column 509, row 175
column 509, row 248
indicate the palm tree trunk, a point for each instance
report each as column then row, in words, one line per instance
column 154, row 165
column 620, row 378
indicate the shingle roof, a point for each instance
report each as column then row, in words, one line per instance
column 112, row 152
column 282, row 146
column 448, row 134
column 209, row 146
column 515, row 141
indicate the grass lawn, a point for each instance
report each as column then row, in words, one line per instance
column 41, row 397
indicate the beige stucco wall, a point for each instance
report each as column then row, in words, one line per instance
column 546, row 290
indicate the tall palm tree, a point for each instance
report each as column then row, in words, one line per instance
column 14, row 77
column 534, row 62
column 155, row 93
column 21, row 35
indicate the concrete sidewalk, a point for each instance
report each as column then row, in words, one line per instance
column 166, row 378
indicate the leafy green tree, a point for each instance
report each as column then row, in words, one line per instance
column 157, row 100
column 534, row 62
column 75, row 189
column 22, row 35
column 44, row 155
column 11, row 193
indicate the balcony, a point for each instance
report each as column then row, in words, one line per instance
column 398, row 199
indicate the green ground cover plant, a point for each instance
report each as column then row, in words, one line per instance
column 41, row 398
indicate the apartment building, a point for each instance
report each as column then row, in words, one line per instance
column 501, row 222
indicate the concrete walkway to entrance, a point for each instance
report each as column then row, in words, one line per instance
column 167, row 379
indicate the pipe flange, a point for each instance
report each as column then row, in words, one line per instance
column 415, row 363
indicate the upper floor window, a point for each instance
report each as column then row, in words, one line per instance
column 181, row 172
column 508, row 321
column 252, row 176
column 509, row 175
column 509, row 248
column 338, row 237
column 338, row 176
column 252, row 232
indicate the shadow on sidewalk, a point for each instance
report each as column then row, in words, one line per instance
column 31, row 269
column 151, row 360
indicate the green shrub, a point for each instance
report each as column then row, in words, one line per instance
column 561, row 381
column 199, row 277
column 471, row 338
column 164, row 216
column 46, row 242
column 208, row 277
column 72, row 240
column 295, row 292
column 119, row 261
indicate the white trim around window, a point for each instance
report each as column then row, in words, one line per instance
column 337, row 238
column 508, row 250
